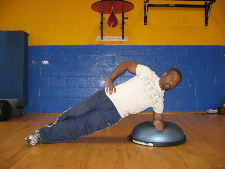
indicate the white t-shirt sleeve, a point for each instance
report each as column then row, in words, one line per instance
column 142, row 70
column 158, row 107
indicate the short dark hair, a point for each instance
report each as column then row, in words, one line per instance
column 178, row 72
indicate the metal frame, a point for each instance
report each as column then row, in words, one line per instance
column 102, row 25
column 207, row 6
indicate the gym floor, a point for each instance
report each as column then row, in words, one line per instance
column 109, row 149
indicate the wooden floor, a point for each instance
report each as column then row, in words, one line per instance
column 109, row 149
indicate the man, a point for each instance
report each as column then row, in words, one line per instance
column 107, row 107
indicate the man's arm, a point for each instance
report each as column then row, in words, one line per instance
column 120, row 69
column 158, row 121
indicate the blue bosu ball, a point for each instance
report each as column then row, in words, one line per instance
column 146, row 134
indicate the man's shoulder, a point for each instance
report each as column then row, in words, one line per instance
column 144, row 70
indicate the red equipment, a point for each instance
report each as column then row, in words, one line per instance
column 112, row 8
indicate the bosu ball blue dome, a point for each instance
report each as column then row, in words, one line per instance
column 146, row 134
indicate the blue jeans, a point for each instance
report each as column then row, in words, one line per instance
column 91, row 115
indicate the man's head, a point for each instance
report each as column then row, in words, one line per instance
column 170, row 79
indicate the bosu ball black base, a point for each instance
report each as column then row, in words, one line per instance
column 146, row 134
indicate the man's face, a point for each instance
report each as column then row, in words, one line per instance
column 170, row 80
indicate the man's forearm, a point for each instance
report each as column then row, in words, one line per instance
column 120, row 69
column 123, row 67
column 158, row 121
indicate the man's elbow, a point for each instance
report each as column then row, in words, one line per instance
column 131, row 66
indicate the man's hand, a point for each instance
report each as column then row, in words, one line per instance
column 159, row 125
column 158, row 121
column 120, row 69
column 110, row 87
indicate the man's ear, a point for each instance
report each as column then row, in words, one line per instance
column 164, row 74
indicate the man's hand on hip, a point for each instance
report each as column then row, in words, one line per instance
column 110, row 87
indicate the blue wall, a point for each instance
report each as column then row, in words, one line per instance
column 75, row 72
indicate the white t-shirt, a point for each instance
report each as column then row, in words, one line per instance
column 138, row 93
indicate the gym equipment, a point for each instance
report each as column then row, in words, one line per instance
column 5, row 110
column 206, row 4
column 16, row 107
column 112, row 7
column 146, row 134
column 13, row 70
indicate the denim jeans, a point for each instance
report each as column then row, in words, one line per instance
column 91, row 115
